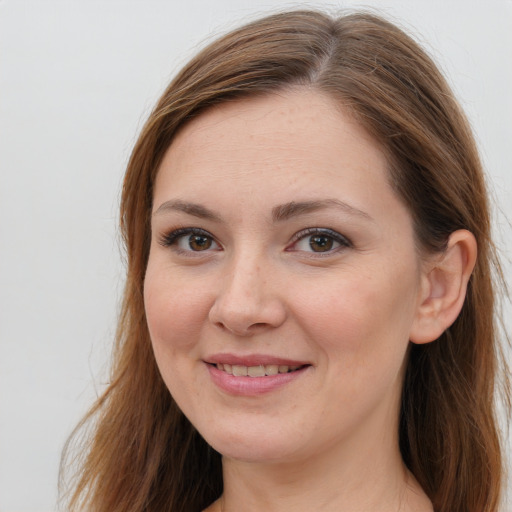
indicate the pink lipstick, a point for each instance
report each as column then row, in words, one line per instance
column 253, row 375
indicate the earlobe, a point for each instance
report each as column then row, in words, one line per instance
column 443, row 288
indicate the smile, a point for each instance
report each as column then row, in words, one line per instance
column 258, row 376
column 256, row 371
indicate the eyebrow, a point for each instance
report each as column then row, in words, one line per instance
column 279, row 213
column 194, row 209
column 294, row 209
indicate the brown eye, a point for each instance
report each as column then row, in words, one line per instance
column 199, row 242
column 190, row 240
column 321, row 243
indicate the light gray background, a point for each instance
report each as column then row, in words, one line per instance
column 77, row 79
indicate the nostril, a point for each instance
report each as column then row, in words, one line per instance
column 257, row 325
column 243, row 329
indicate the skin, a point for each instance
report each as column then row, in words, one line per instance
column 327, row 440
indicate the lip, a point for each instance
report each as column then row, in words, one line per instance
column 252, row 386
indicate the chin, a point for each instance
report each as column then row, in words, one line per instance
column 254, row 453
column 253, row 445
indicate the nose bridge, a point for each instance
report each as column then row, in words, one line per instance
column 247, row 300
column 247, row 275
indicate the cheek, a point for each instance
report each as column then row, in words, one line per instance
column 175, row 309
column 358, row 320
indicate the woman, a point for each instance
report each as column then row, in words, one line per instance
column 308, row 321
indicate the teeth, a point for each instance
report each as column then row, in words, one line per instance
column 225, row 368
column 255, row 371
column 239, row 370
column 271, row 369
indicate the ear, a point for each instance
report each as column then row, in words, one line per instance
column 443, row 288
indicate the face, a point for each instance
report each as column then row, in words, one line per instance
column 283, row 280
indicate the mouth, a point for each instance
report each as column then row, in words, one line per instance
column 253, row 375
column 261, row 370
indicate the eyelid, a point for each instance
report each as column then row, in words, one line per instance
column 170, row 238
column 338, row 237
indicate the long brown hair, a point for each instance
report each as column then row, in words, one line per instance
column 140, row 453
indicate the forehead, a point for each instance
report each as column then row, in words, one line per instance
column 286, row 144
column 286, row 118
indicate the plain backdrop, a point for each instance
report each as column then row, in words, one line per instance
column 77, row 80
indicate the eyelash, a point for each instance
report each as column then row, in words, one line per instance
column 342, row 240
column 172, row 238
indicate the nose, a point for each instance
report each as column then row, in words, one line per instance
column 249, row 300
